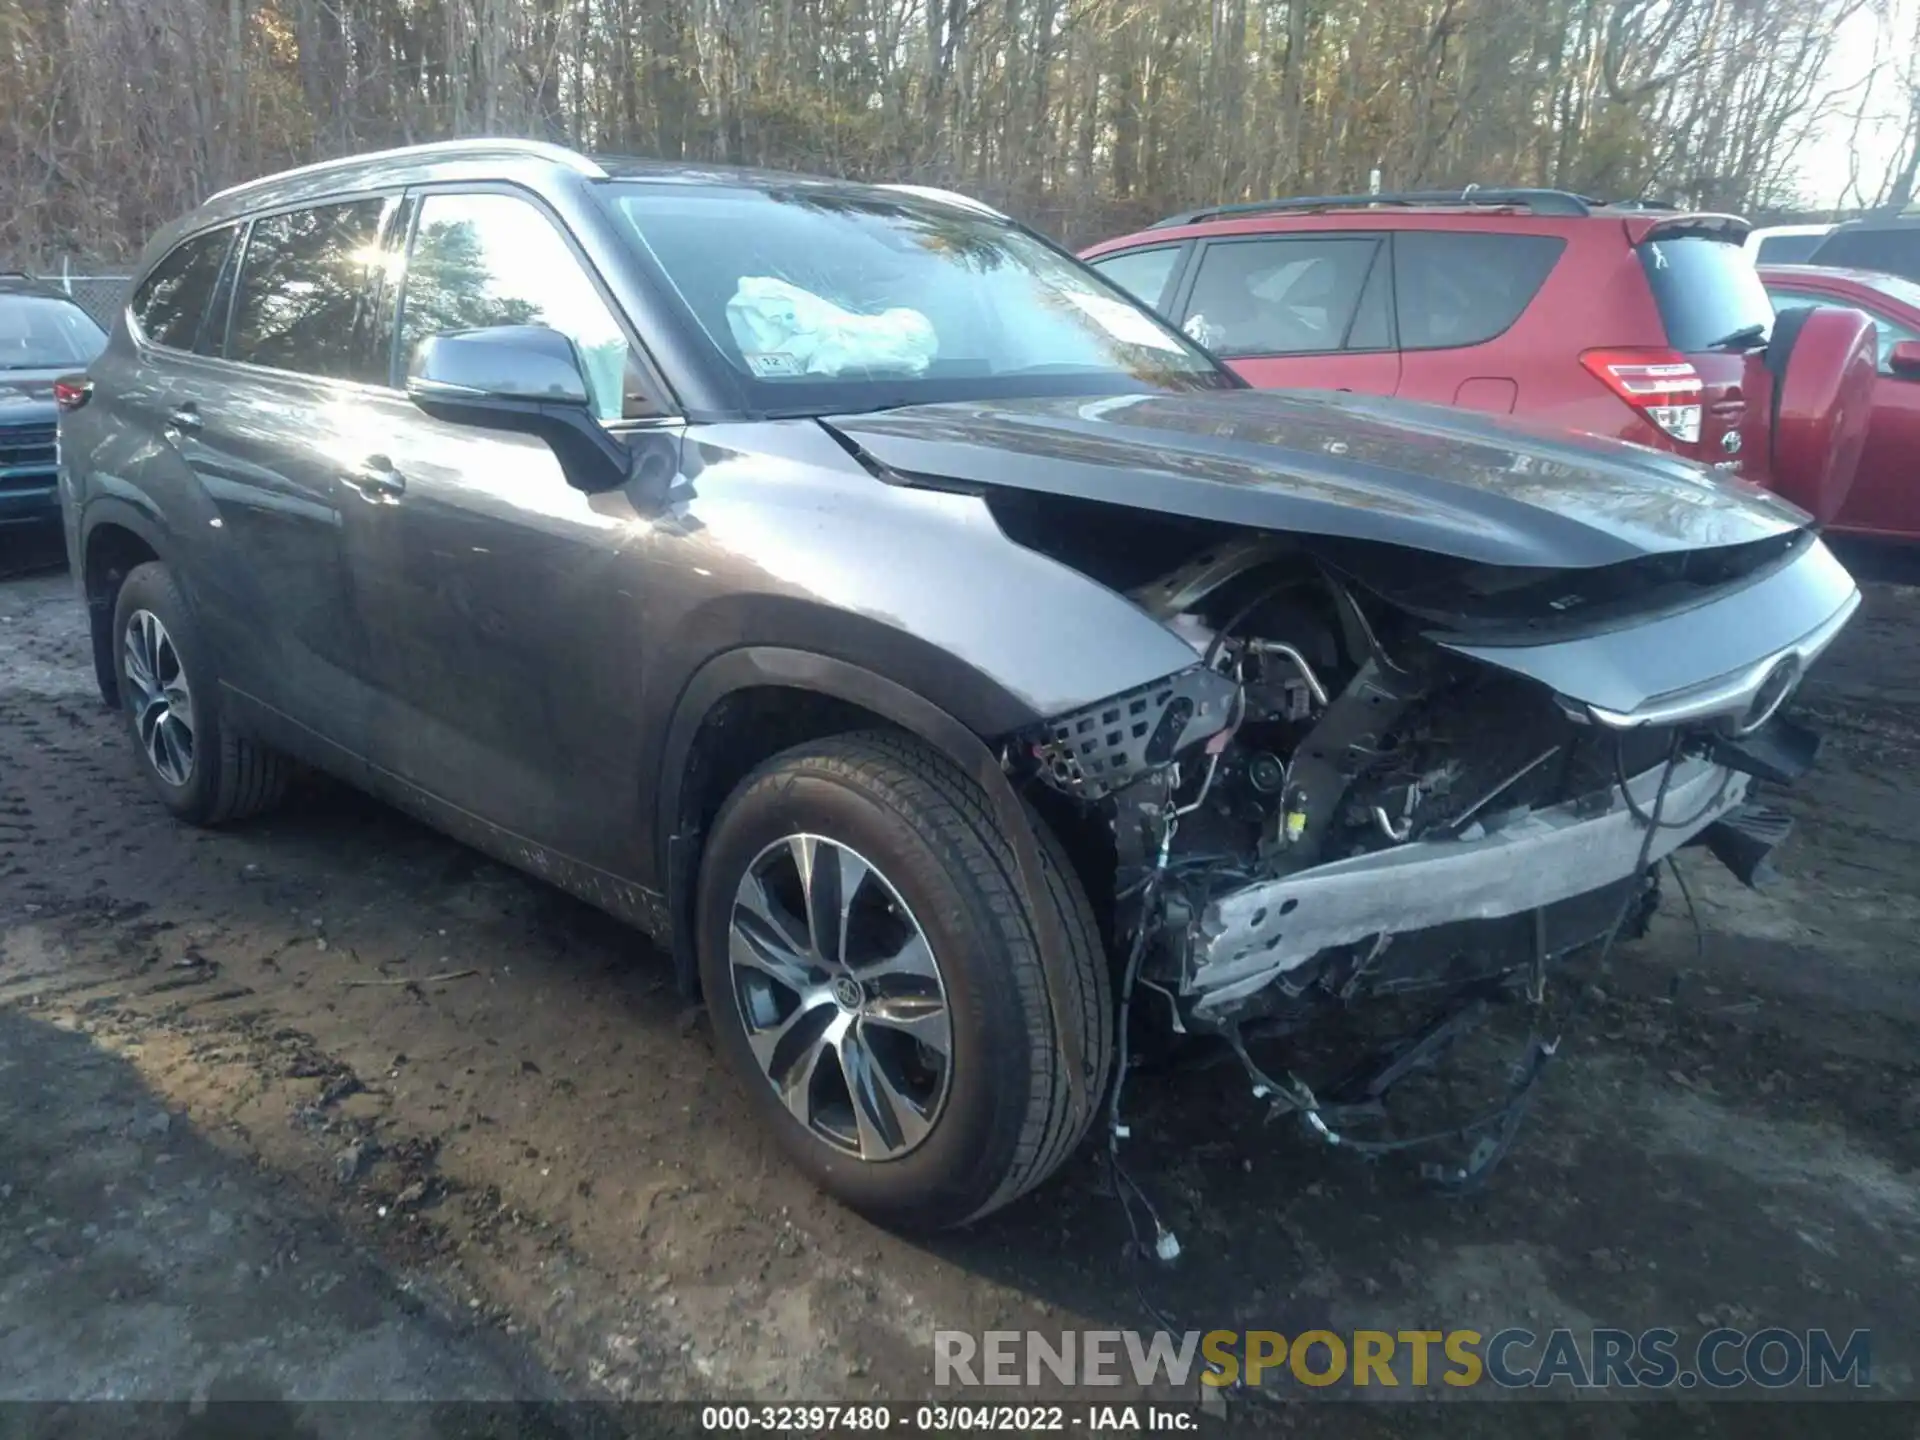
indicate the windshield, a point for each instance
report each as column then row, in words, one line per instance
column 42, row 332
column 1707, row 290
column 824, row 300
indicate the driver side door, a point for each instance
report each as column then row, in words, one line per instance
column 500, row 604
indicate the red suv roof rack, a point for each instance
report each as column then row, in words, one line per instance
column 1540, row 202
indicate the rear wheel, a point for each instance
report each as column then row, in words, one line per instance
column 874, row 980
column 169, row 693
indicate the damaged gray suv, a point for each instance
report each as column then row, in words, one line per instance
column 925, row 644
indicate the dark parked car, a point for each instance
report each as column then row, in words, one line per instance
column 1885, row 499
column 1645, row 324
column 43, row 335
column 928, row 645
column 1889, row 244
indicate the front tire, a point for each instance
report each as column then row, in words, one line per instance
column 170, row 698
column 874, row 980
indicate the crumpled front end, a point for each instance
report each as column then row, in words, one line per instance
column 1384, row 776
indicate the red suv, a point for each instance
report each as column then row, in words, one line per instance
column 1622, row 320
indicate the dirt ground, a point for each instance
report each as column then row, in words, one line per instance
column 499, row 1091
column 140, row 1261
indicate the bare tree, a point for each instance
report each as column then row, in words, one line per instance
column 1083, row 115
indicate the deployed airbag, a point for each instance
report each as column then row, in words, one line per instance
column 783, row 330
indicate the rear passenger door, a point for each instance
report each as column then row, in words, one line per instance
column 126, row 430
column 1456, row 294
column 1301, row 311
column 275, row 427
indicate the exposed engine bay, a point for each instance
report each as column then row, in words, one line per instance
column 1344, row 800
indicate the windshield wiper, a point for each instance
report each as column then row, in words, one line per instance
column 1745, row 338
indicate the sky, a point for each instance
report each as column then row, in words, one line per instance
column 1824, row 162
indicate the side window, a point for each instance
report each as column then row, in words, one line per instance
column 1886, row 336
column 1463, row 287
column 1890, row 336
column 1886, row 333
column 301, row 300
column 1793, row 300
column 1279, row 297
column 1786, row 249
column 1372, row 327
column 172, row 300
column 481, row 260
column 1143, row 274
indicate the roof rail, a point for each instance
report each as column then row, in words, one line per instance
column 1540, row 202
column 949, row 197
column 476, row 147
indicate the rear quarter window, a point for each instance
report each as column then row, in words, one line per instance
column 1466, row 287
column 1706, row 289
column 171, row 302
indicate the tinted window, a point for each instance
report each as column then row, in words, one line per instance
column 43, row 333
column 1278, row 297
column 480, row 260
column 1787, row 249
column 301, row 301
column 1372, row 327
column 822, row 299
column 1465, row 287
column 1141, row 273
column 172, row 300
column 1895, row 250
column 1706, row 289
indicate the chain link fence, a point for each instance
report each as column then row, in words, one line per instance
column 99, row 295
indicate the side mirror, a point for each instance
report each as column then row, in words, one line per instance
column 1904, row 360
column 502, row 362
column 525, row 378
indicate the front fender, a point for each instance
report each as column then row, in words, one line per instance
column 755, row 666
column 793, row 542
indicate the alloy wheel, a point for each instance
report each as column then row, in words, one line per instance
column 161, row 703
column 841, row 997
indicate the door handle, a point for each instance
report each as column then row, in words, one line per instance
column 377, row 480
column 185, row 419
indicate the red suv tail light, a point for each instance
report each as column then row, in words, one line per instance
column 1661, row 384
column 70, row 392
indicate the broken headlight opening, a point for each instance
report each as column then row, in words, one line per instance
column 1330, row 810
